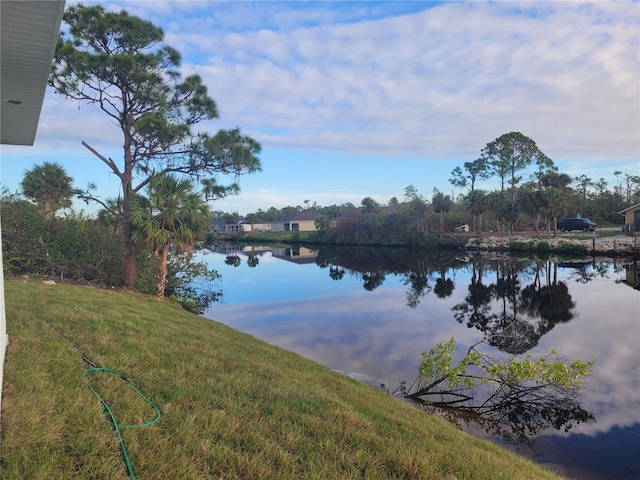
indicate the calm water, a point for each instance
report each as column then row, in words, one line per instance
column 374, row 311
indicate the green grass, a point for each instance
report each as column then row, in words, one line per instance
column 233, row 407
column 268, row 237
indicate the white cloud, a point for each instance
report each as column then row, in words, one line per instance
column 455, row 77
column 442, row 81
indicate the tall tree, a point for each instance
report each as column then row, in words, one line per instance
column 632, row 187
column 511, row 153
column 474, row 171
column 172, row 215
column 583, row 183
column 252, row 219
column 415, row 208
column 119, row 63
column 49, row 186
column 581, row 202
column 618, row 175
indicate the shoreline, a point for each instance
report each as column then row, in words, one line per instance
column 611, row 246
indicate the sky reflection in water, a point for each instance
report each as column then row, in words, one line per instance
column 345, row 327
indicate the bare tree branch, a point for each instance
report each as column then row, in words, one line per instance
column 110, row 163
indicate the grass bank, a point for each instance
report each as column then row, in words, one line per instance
column 233, row 407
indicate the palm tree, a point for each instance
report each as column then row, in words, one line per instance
column 532, row 201
column 557, row 180
column 369, row 205
column 441, row 203
column 111, row 215
column 49, row 186
column 172, row 215
column 477, row 204
column 557, row 203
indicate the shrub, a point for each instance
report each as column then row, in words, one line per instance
column 84, row 250
column 23, row 236
column 73, row 247
column 543, row 246
column 567, row 247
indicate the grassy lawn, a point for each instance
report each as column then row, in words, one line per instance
column 233, row 407
column 270, row 237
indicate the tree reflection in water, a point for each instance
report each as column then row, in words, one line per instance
column 253, row 261
column 233, row 260
column 336, row 273
column 524, row 314
column 512, row 301
column 372, row 266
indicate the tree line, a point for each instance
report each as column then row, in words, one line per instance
column 533, row 194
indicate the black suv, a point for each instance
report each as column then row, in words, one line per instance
column 569, row 224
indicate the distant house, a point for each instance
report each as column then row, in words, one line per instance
column 220, row 225
column 631, row 218
column 298, row 222
column 259, row 226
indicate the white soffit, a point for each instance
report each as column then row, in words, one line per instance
column 28, row 36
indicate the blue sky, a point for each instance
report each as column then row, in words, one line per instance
column 356, row 99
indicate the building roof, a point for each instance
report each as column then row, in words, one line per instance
column 28, row 35
column 257, row 221
column 219, row 221
column 307, row 215
column 632, row 207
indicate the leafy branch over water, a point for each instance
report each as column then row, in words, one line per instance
column 522, row 397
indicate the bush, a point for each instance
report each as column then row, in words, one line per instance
column 83, row 250
column 543, row 246
column 73, row 247
column 516, row 246
column 23, row 236
column 567, row 247
column 191, row 284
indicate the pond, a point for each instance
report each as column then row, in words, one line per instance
column 373, row 312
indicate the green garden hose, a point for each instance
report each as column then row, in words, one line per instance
column 107, row 409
